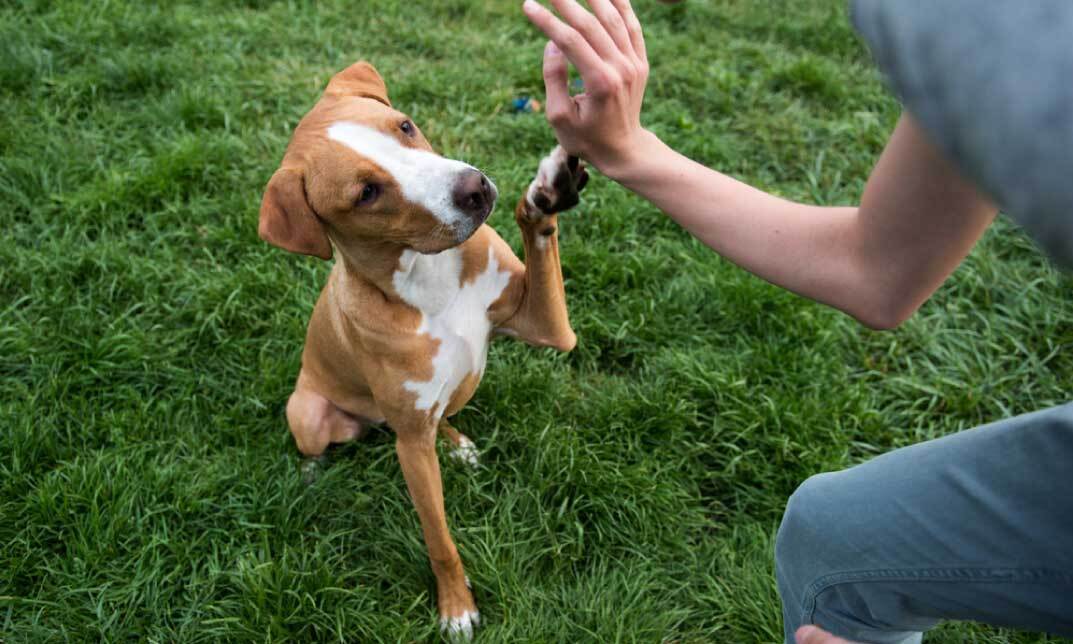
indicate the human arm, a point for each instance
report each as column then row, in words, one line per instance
column 878, row 262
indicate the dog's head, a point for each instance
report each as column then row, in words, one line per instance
column 359, row 171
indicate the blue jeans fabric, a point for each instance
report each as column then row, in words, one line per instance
column 973, row 526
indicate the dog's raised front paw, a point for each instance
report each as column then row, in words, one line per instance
column 559, row 179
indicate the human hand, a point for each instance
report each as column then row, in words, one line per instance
column 602, row 125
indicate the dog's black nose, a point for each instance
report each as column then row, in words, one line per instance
column 473, row 194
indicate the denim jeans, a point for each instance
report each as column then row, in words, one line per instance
column 973, row 526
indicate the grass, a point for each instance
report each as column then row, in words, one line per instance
column 629, row 490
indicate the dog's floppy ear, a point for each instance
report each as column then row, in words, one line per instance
column 287, row 220
column 360, row 79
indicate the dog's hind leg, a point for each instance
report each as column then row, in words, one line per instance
column 462, row 448
column 316, row 422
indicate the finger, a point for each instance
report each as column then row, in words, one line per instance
column 633, row 27
column 614, row 25
column 589, row 27
column 569, row 41
column 560, row 106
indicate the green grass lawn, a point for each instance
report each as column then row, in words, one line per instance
column 629, row 491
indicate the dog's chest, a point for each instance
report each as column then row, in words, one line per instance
column 454, row 315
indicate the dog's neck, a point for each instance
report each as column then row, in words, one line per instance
column 400, row 274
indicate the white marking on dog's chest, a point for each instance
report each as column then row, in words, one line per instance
column 453, row 313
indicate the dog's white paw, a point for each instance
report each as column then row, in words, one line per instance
column 466, row 452
column 546, row 172
column 461, row 627
column 560, row 177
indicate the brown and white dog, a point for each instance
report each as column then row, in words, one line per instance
column 420, row 285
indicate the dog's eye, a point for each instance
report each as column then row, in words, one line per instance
column 407, row 128
column 368, row 194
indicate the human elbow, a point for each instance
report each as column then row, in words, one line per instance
column 887, row 314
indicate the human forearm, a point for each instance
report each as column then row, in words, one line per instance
column 917, row 220
column 805, row 249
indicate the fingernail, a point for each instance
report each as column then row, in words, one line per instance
column 551, row 49
column 528, row 5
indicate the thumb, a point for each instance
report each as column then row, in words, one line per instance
column 813, row 635
column 559, row 104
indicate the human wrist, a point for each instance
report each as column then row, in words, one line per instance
column 628, row 166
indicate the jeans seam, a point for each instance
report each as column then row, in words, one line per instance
column 963, row 574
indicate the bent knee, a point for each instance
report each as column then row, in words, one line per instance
column 799, row 520
column 816, row 527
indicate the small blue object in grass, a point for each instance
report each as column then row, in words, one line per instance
column 577, row 85
column 525, row 105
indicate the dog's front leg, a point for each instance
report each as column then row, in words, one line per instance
column 541, row 318
column 416, row 447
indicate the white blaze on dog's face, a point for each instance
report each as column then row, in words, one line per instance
column 369, row 175
column 456, row 194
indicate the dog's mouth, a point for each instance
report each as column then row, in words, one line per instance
column 445, row 237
